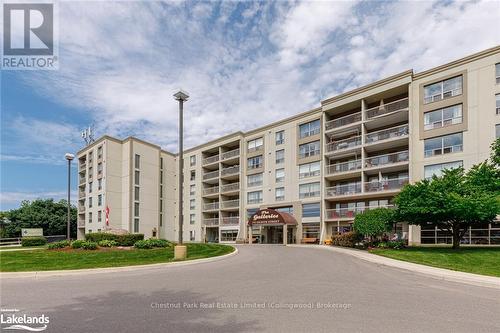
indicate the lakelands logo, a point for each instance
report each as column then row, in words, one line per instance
column 29, row 31
column 14, row 321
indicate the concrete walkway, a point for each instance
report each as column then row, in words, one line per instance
column 438, row 273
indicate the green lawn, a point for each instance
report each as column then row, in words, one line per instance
column 46, row 260
column 485, row 261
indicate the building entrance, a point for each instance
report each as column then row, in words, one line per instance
column 268, row 226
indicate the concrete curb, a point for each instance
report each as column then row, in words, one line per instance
column 90, row 271
column 437, row 273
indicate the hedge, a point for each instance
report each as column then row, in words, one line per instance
column 107, row 243
column 88, row 245
column 121, row 240
column 58, row 245
column 152, row 242
column 33, row 241
column 347, row 239
column 77, row 244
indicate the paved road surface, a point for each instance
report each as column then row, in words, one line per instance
column 360, row 297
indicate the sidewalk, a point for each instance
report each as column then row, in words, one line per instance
column 438, row 273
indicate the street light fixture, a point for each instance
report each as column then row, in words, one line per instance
column 180, row 250
column 69, row 157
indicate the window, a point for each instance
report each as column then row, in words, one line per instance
column 254, row 162
column 309, row 190
column 497, row 73
column 228, row 235
column 90, row 157
column 254, row 180
column 192, row 204
column 161, row 220
column 497, row 131
column 136, row 177
column 191, row 218
column 161, row 191
column 192, row 160
column 137, row 161
column 161, row 206
column 90, row 187
column 136, row 193
column 161, row 162
column 308, row 129
column 193, row 175
column 279, row 194
column 99, row 152
column 437, row 169
column 288, row 209
column 99, row 216
column 443, row 145
column 192, row 189
column 443, row 89
column 310, row 230
column 136, row 225
column 280, row 137
column 280, row 175
column 309, row 169
column 309, row 149
column 90, row 202
column 254, row 145
column 91, row 173
column 161, row 177
column 497, row 97
column 280, row 156
column 443, row 117
column 251, row 212
column 136, row 209
column 192, row 235
column 254, row 197
column 99, row 168
column 90, row 217
column 311, row 210
column 99, row 200
column 99, row 184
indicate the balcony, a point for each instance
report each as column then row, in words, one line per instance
column 344, row 144
column 81, row 194
column 211, row 159
column 211, row 222
column 230, row 171
column 231, row 187
column 443, row 95
column 343, row 121
column 210, row 175
column 378, row 161
column 231, row 154
column 350, row 212
column 396, row 106
column 386, row 185
column 231, row 203
column 390, row 133
column 343, row 167
column 231, row 220
column 81, row 223
column 211, row 206
column 81, row 208
column 254, row 149
column 346, row 189
column 211, row 190
column 81, row 181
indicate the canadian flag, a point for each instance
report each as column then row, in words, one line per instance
column 107, row 215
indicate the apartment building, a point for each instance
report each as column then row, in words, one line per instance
column 319, row 168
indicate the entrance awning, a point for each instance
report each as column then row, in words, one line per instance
column 271, row 216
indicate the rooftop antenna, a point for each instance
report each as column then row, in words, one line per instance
column 88, row 135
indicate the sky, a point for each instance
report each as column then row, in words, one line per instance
column 244, row 64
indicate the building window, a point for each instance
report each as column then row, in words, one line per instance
column 437, row 169
column 136, row 225
column 254, row 180
column 254, row 162
column 193, row 175
column 310, row 230
column 309, row 129
column 136, row 209
column 161, row 191
column 309, row 149
column 192, row 204
column 443, row 117
column 161, row 162
column 192, row 160
column 443, row 89
column 99, row 169
column 443, row 145
column 309, row 169
column 136, row 177
column 161, row 177
column 279, row 194
column 497, row 73
column 136, row 193
column 280, row 156
column 90, row 157
column 251, row 212
column 90, row 202
column 161, row 220
column 228, row 235
column 192, row 189
column 99, row 216
column 191, row 218
column 90, row 187
column 311, row 210
column 280, row 175
column 309, row 190
column 90, row 217
column 254, row 197
column 497, row 100
column 254, row 145
column 280, row 137
column 99, row 184
column 192, row 235
column 99, row 152
column 99, row 200
column 137, row 161
column 497, row 131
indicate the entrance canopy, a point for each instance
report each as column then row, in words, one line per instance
column 271, row 217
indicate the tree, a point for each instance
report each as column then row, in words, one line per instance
column 374, row 222
column 46, row 214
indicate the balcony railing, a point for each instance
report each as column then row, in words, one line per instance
column 386, row 185
column 254, row 201
column 81, row 223
column 81, row 180
column 255, row 183
column 343, row 121
column 231, row 170
column 443, row 150
column 395, row 106
column 445, row 122
column 252, row 149
column 230, row 203
column 81, row 194
column 81, row 208
column 211, row 159
column 343, row 167
column 211, row 221
column 231, row 187
column 210, row 175
column 390, row 133
column 443, row 95
column 211, row 190
column 344, row 144
column 350, row 212
column 380, row 160
column 211, row 206
column 231, row 220
column 231, row 154
column 346, row 189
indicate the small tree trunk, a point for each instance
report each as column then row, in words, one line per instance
column 456, row 237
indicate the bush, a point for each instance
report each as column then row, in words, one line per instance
column 159, row 242
column 87, row 245
column 107, row 243
column 347, row 239
column 77, row 244
column 143, row 244
column 58, row 245
column 392, row 245
column 121, row 240
column 33, row 241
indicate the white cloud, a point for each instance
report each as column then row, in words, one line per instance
column 9, row 199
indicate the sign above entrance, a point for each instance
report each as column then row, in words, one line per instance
column 271, row 216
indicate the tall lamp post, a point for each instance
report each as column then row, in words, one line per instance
column 69, row 157
column 180, row 250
